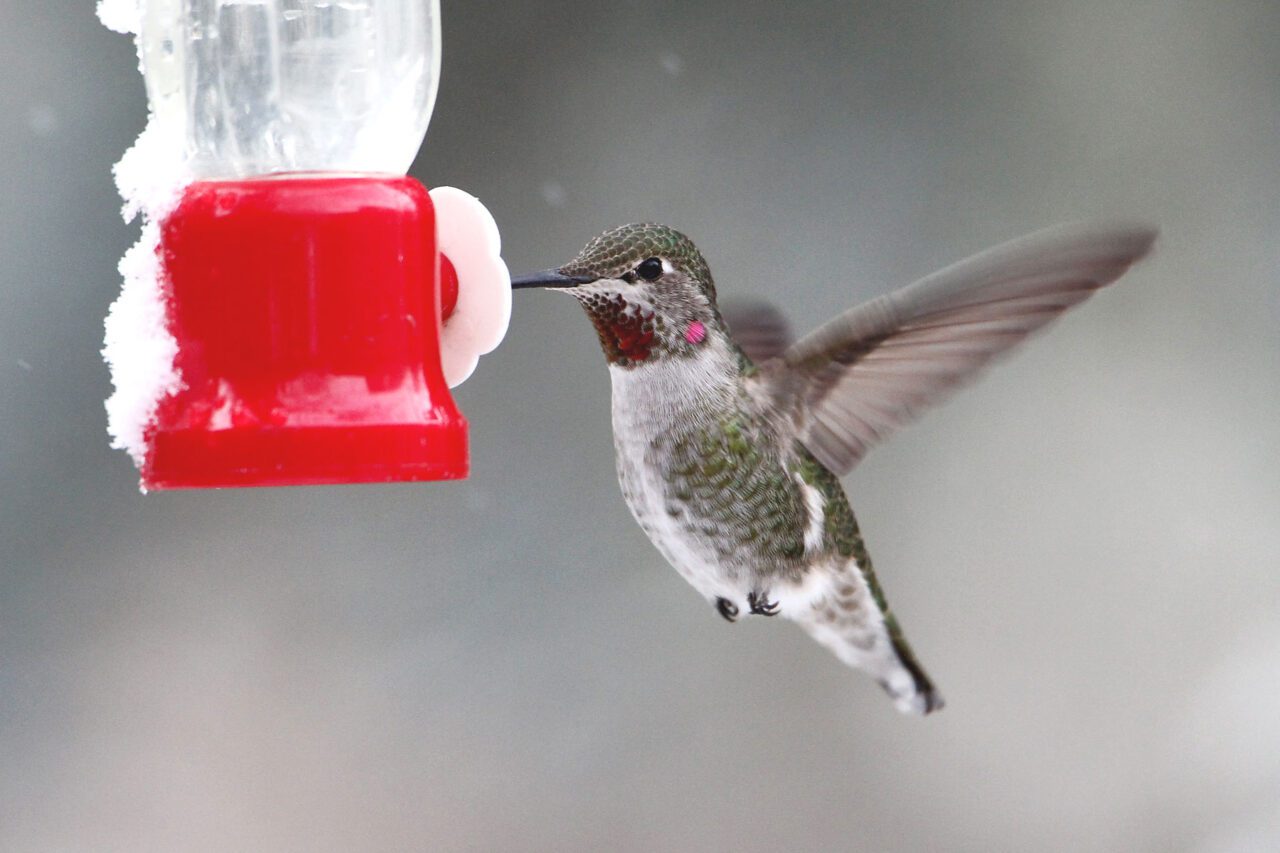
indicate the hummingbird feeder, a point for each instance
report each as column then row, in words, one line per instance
column 297, row 308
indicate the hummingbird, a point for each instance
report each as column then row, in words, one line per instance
column 731, row 439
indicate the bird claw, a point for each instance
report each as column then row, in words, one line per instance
column 761, row 606
column 727, row 609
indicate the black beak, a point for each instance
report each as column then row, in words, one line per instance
column 549, row 278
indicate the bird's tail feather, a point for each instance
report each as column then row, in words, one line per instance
column 850, row 618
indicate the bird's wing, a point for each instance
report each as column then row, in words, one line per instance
column 757, row 327
column 860, row 376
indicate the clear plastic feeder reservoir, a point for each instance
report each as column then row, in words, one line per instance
column 301, row 273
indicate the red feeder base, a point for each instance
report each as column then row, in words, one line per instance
column 307, row 316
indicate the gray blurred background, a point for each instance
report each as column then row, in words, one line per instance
column 1084, row 547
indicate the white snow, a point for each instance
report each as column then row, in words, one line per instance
column 43, row 120
column 138, row 347
column 152, row 173
column 123, row 16
column 555, row 194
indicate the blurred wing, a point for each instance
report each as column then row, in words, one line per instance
column 757, row 327
column 874, row 368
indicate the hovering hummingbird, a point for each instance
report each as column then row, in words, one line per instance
column 730, row 438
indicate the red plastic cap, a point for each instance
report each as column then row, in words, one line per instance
column 307, row 316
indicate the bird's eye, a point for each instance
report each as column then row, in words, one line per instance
column 650, row 270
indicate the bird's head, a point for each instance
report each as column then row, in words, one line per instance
column 647, row 290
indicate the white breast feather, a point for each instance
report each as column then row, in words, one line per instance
column 648, row 401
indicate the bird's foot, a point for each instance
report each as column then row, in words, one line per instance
column 760, row 605
column 727, row 609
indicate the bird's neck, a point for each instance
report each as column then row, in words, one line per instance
column 672, row 393
column 634, row 333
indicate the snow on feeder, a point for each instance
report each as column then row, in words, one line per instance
column 297, row 308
